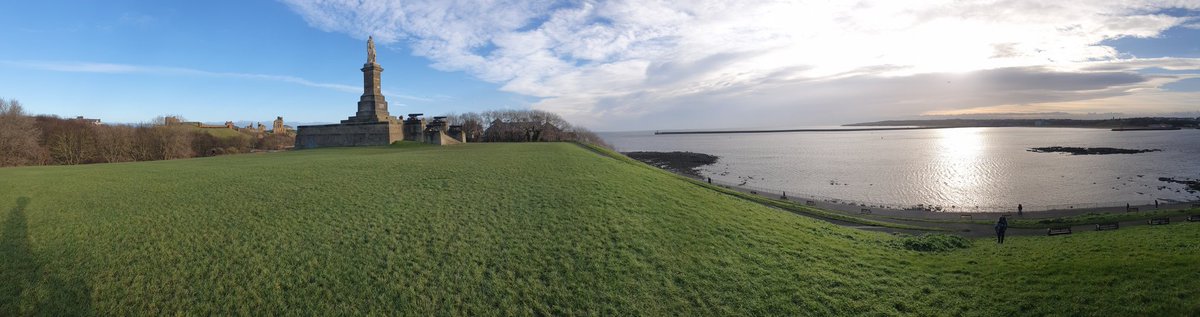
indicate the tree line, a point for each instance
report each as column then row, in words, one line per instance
column 50, row 140
column 521, row 126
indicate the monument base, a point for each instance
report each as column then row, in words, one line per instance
column 349, row 134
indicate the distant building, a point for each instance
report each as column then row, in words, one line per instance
column 86, row 120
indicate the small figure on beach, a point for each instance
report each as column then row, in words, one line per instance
column 1001, row 226
column 1020, row 209
column 1126, row 207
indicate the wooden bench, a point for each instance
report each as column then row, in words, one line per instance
column 1193, row 218
column 810, row 203
column 1058, row 230
column 865, row 211
column 1159, row 221
column 1107, row 226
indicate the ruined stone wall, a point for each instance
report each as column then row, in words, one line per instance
column 439, row 138
column 348, row 134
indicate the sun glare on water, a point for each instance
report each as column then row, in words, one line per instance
column 959, row 160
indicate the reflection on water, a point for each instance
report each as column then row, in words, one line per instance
column 958, row 162
column 958, row 169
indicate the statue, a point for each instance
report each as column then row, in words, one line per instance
column 370, row 50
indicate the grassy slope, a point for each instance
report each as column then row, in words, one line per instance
column 515, row 228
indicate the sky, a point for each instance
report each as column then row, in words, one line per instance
column 605, row 65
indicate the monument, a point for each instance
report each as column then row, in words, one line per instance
column 371, row 125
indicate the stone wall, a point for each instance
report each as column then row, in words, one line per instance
column 348, row 134
column 438, row 137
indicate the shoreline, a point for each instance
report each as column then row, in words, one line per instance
column 972, row 224
column 965, row 223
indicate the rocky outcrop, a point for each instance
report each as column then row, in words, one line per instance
column 1089, row 150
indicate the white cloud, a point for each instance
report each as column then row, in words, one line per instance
column 612, row 64
column 109, row 68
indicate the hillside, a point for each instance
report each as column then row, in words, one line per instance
column 532, row 228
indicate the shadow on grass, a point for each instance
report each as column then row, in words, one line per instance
column 26, row 287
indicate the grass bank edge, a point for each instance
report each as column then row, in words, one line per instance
column 785, row 205
column 1091, row 218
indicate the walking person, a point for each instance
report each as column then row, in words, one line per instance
column 1001, row 226
column 1020, row 209
column 1156, row 204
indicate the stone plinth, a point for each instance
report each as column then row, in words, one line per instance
column 349, row 134
column 414, row 126
column 372, row 107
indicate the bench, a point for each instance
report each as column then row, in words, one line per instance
column 865, row 211
column 1159, row 221
column 1058, row 230
column 1193, row 218
column 810, row 203
column 1107, row 226
column 964, row 217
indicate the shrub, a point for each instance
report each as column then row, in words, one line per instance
column 932, row 242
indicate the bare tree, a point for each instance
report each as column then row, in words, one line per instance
column 19, row 136
column 114, row 143
column 70, row 146
column 521, row 126
column 176, row 142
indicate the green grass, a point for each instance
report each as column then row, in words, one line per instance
column 1095, row 218
column 222, row 132
column 1075, row 220
column 776, row 203
column 487, row 229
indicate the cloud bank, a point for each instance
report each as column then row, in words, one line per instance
column 729, row 63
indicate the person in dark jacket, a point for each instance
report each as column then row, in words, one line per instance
column 1001, row 226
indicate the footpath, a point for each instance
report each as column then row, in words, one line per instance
column 967, row 224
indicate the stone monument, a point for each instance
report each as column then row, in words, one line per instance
column 370, row 125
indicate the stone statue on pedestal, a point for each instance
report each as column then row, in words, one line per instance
column 370, row 50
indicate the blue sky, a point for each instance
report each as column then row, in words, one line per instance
column 607, row 65
column 178, row 57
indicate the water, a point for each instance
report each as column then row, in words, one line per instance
column 963, row 169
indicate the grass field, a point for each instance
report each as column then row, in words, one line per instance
column 498, row 229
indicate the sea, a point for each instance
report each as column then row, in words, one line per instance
column 955, row 169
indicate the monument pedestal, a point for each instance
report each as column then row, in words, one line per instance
column 349, row 134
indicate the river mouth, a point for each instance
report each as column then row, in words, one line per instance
column 949, row 170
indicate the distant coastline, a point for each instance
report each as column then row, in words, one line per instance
column 1123, row 124
column 1126, row 124
column 800, row 130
